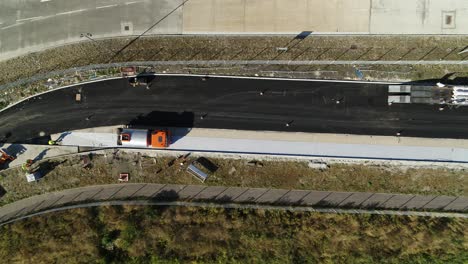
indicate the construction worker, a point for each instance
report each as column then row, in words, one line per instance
column 51, row 142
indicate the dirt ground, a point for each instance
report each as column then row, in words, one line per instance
column 65, row 173
column 196, row 48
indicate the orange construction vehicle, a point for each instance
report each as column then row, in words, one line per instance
column 5, row 158
column 143, row 138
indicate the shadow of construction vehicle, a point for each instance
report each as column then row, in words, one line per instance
column 179, row 124
column 47, row 166
column 15, row 150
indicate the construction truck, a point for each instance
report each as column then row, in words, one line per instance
column 144, row 138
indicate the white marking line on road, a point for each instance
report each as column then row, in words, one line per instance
column 44, row 1
column 269, row 78
column 315, row 62
column 29, row 18
column 10, row 26
column 107, row 6
column 71, row 12
column 42, row 17
column 134, row 2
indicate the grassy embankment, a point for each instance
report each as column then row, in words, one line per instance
column 180, row 235
column 60, row 174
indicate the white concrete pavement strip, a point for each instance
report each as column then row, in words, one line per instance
column 287, row 136
column 295, row 144
column 23, row 152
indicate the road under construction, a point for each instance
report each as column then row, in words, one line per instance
column 219, row 114
column 230, row 103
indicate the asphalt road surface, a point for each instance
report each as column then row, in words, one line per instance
column 231, row 104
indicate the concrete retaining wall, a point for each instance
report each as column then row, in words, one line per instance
column 31, row 25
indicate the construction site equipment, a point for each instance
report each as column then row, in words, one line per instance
column 128, row 71
column 199, row 174
column 421, row 94
column 5, row 158
column 33, row 177
column 201, row 168
column 123, row 177
column 144, row 138
column 143, row 80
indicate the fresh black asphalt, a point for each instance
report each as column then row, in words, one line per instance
column 231, row 104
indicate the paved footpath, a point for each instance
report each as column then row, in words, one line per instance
column 377, row 203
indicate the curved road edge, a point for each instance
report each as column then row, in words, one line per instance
column 58, row 73
column 236, row 197
column 128, row 64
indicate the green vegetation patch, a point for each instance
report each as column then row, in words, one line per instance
column 132, row 234
column 66, row 173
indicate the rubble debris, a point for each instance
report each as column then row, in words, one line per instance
column 318, row 165
column 85, row 162
column 232, row 171
column 123, row 177
column 255, row 163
